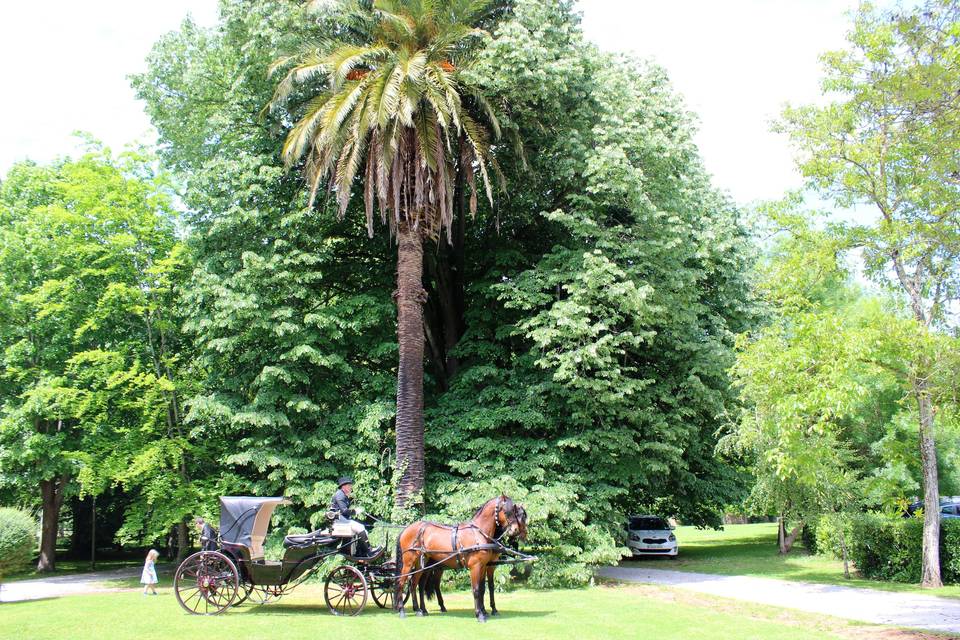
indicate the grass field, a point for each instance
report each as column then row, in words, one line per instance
column 751, row 550
column 605, row 612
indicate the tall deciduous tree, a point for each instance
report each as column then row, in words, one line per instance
column 287, row 307
column 85, row 277
column 394, row 107
column 890, row 139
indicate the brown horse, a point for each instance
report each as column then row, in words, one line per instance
column 472, row 545
column 432, row 579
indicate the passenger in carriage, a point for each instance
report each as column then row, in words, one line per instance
column 341, row 506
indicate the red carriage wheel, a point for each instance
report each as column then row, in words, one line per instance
column 206, row 583
column 345, row 591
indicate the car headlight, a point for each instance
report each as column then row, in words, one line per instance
column 672, row 538
column 634, row 537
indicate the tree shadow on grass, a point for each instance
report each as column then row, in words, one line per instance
column 10, row 604
column 279, row 609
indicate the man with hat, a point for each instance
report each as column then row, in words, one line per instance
column 341, row 505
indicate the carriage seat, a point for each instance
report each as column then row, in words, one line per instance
column 318, row 538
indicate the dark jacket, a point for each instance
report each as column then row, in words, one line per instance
column 341, row 504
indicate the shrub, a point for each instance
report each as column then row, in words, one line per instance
column 889, row 548
column 827, row 534
column 808, row 536
column 18, row 539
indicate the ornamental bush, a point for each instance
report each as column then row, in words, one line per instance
column 825, row 538
column 889, row 548
column 18, row 539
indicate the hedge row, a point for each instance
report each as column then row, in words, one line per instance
column 886, row 548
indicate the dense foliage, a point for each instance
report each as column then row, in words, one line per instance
column 827, row 425
column 581, row 363
column 92, row 375
column 18, row 540
column 889, row 548
column 888, row 138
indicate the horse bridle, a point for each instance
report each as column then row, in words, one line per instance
column 512, row 513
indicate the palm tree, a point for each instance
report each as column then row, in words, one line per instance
column 392, row 108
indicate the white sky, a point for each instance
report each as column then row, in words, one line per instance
column 65, row 66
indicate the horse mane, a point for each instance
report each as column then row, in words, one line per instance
column 484, row 505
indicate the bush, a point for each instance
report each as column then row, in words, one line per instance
column 889, row 548
column 826, row 534
column 808, row 536
column 18, row 540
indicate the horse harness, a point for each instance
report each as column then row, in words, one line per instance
column 457, row 549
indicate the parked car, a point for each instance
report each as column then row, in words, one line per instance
column 949, row 508
column 651, row 535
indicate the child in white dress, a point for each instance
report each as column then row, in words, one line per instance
column 148, row 578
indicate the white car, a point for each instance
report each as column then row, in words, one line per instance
column 651, row 536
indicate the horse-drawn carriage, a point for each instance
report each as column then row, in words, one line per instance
column 209, row 582
column 236, row 570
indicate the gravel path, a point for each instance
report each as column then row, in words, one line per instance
column 918, row 611
column 63, row 585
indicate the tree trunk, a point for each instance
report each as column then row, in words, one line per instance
column 931, row 487
column 51, row 494
column 786, row 540
column 410, row 297
column 183, row 542
column 843, row 552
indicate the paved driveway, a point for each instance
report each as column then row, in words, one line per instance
column 917, row 611
column 63, row 585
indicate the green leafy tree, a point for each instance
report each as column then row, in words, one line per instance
column 287, row 308
column 397, row 109
column 825, row 389
column 889, row 139
column 86, row 328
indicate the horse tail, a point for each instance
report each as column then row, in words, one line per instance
column 432, row 582
column 399, row 558
column 397, row 572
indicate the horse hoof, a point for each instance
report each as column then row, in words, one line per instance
column 403, row 614
column 481, row 618
column 494, row 612
column 420, row 614
column 443, row 609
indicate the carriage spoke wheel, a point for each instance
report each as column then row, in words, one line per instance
column 206, row 583
column 345, row 591
column 262, row 595
column 246, row 589
column 383, row 586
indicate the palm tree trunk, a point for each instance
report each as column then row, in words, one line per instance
column 410, row 297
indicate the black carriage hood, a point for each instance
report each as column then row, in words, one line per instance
column 243, row 516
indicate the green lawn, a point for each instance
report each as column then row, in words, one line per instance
column 751, row 549
column 598, row 612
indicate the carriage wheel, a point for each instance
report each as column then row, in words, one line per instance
column 242, row 594
column 206, row 583
column 345, row 591
column 262, row 595
column 383, row 584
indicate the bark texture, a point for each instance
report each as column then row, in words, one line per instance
column 51, row 494
column 785, row 540
column 410, row 297
column 931, row 488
